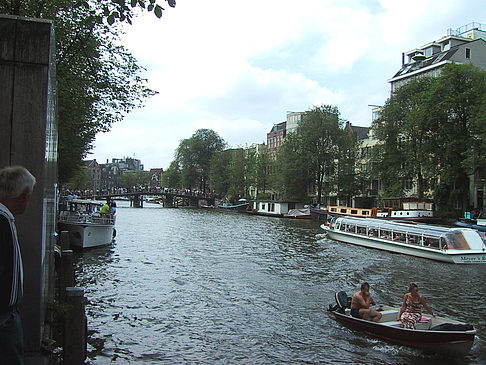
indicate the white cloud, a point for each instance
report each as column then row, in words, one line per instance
column 237, row 67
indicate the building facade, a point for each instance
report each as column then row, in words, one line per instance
column 465, row 45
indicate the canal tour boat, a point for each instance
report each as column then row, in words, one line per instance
column 436, row 334
column 87, row 227
column 453, row 245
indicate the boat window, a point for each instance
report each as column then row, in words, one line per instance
column 350, row 228
column 343, row 210
column 443, row 243
column 386, row 235
column 366, row 212
column 456, row 240
column 412, row 239
column 373, row 233
column 343, row 227
column 263, row 206
column 354, row 211
column 333, row 210
column 431, row 242
column 361, row 230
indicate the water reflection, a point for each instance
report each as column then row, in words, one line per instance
column 197, row 286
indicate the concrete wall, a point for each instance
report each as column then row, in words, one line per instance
column 28, row 137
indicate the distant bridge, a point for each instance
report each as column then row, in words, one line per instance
column 169, row 197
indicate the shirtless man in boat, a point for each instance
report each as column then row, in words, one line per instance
column 360, row 305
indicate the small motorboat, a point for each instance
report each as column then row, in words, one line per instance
column 435, row 334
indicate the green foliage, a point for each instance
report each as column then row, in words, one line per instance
column 194, row 156
column 171, row 178
column 81, row 179
column 348, row 180
column 293, row 168
column 227, row 173
column 432, row 130
column 258, row 165
column 98, row 80
column 130, row 179
column 404, row 128
column 111, row 11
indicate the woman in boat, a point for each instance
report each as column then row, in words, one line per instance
column 411, row 310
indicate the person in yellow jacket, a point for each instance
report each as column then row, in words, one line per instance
column 105, row 209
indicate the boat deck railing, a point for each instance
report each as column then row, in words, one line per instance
column 77, row 217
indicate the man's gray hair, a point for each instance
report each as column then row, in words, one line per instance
column 14, row 180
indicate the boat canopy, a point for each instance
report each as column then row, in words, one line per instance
column 440, row 237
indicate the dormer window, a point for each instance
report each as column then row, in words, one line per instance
column 468, row 53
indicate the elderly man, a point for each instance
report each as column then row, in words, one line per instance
column 16, row 185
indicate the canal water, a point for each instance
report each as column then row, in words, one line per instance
column 188, row 286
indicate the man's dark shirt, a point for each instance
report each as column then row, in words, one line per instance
column 10, row 271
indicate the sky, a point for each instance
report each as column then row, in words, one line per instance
column 238, row 67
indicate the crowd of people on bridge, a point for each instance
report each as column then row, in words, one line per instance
column 77, row 193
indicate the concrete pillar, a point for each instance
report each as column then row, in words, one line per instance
column 28, row 133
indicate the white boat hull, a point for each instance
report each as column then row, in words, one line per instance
column 87, row 235
column 450, row 256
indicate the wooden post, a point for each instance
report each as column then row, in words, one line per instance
column 64, row 240
column 66, row 278
column 75, row 327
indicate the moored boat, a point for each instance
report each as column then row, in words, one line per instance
column 319, row 213
column 454, row 245
column 436, row 334
column 303, row 213
column 86, row 225
column 240, row 207
column 274, row 208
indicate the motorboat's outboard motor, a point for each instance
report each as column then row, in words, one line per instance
column 342, row 302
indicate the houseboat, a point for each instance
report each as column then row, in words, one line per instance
column 274, row 208
column 406, row 211
column 453, row 245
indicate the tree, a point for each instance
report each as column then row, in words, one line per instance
column 227, row 173
column 98, row 80
column 194, row 157
column 457, row 115
column 258, row 165
column 293, row 163
column 171, row 178
column 404, row 130
column 432, row 131
column 349, row 180
column 130, row 179
column 321, row 131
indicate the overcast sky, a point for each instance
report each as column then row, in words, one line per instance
column 238, row 67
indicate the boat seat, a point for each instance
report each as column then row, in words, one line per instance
column 388, row 315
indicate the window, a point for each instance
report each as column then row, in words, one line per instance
column 468, row 53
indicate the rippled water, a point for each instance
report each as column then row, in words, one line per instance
column 183, row 286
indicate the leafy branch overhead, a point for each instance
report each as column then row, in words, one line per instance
column 98, row 80
column 110, row 11
column 122, row 9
